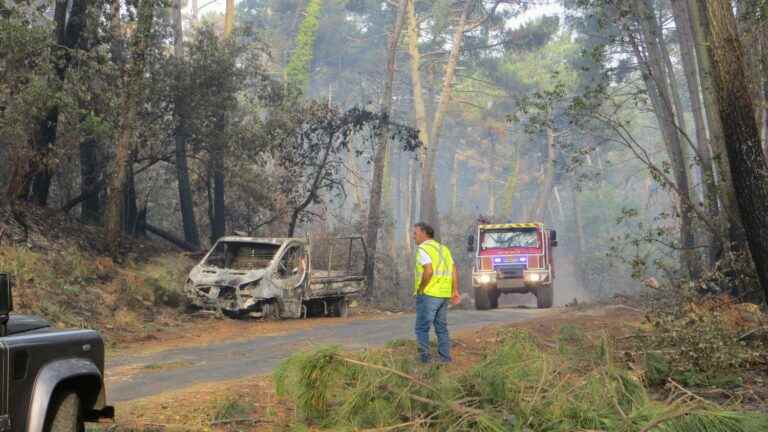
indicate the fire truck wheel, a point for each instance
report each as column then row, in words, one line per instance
column 495, row 294
column 483, row 298
column 545, row 296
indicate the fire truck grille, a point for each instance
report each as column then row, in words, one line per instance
column 510, row 271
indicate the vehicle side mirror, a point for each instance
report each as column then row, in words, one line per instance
column 553, row 238
column 6, row 300
column 471, row 243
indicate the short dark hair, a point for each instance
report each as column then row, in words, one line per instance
column 424, row 227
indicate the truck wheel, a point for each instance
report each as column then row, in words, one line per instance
column 483, row 298
column 545, row 296
column 340, row 308
column 64, row 413
column 495, row 294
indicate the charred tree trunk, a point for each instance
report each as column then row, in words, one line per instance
column 382, row 146
column 219, row 207
column 35, row 181
column 126, row 128
column 727, row 193
column 419, row 106
column 747, row 163
column 90, row 175
column 181, row 136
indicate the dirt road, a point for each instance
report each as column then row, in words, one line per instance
column 137, row 375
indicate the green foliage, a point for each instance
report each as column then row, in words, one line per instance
column 516, row 387
column 298, row 68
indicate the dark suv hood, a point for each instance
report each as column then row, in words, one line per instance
column 24, row 323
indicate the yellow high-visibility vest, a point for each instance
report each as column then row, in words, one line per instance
column 441, row 284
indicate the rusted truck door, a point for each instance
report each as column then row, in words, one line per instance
column 292, row 266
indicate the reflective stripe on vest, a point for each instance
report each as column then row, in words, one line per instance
column 441, row 283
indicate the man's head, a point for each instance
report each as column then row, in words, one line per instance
column 422, row 232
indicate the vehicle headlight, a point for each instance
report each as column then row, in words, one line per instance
column 485, row 278
column 534, row 276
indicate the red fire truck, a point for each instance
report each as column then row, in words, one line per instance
column 513, row 258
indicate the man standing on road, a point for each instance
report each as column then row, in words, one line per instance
column 436, row 283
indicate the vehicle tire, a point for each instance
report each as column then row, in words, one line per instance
column 495, row 294
column 64, row 413
column 483, row 298
column 545, row 296
column 340, row 308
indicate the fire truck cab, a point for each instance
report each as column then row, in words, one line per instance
column 512, row 258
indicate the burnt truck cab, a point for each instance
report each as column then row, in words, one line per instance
column 512, row 258
column 50, row 380
column 279, row 277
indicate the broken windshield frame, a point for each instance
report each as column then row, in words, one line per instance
column 506, row 239
column 238, row 255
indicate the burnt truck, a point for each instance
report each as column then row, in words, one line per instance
column 279, row 277
column 512, row 258
column 50, row 380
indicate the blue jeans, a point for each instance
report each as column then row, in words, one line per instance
column 432, row 310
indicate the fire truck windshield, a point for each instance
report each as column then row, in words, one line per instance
column 503, row 239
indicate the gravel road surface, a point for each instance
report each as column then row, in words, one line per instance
column 136, row 376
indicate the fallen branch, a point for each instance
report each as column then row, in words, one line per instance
column 165, row 235
column 751, row 332
column 689, row 393
column 663, row 419
column 390, row 370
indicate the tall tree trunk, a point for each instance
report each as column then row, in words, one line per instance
column 747, row 163
column 382, row 144
column 130, row 216
column 428, row 188
column 195, row 11
column 419, row 106
column 181, row 135
column 410, row 207
column 68, row 34
column 229, row 18
column 493, row 201
column 455, row 170
column 687, row 53
column 657, row 83
column 219, row 221
column 90, row 175
column 545, row 192
column 127, row 126
column 702, row 42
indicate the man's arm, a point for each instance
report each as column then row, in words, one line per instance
column 425, row 278
column 455, row 295
column 455, row 280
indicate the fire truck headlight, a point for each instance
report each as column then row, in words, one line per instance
column 534, row 277
column 485, row 278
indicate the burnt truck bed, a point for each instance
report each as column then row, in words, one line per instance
column 279, row 277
